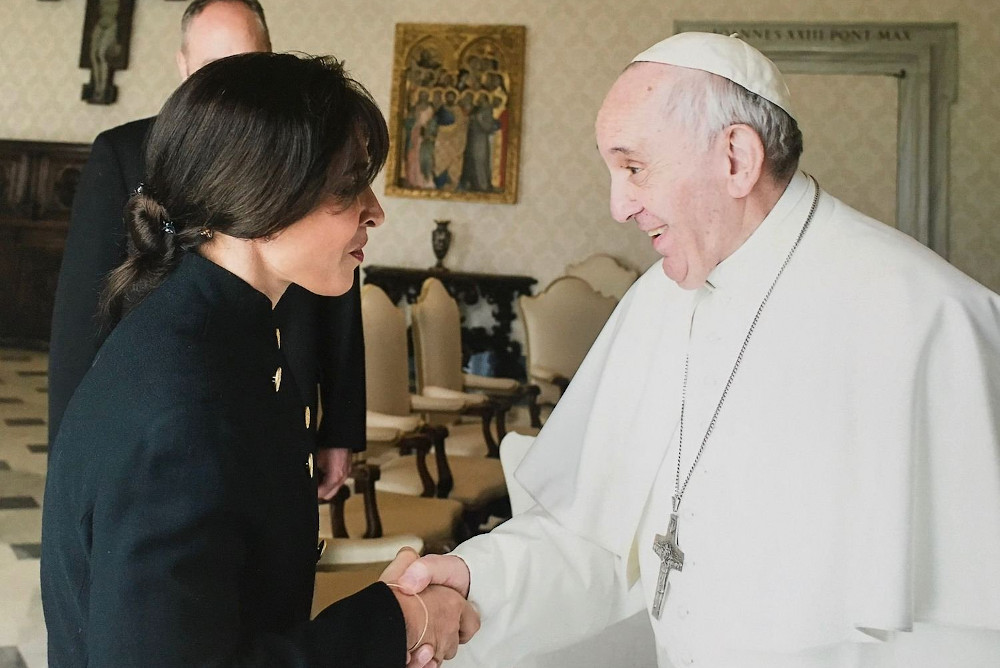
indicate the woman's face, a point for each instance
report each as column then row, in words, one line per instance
column 321, row 250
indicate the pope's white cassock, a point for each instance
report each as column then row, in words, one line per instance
column 846, row 509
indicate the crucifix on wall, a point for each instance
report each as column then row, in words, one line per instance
column 107, row 30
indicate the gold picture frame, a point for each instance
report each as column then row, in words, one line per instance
column 455, row 116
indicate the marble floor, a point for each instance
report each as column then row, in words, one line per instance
column 23, row 455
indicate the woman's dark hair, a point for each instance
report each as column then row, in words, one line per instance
column 246, row 146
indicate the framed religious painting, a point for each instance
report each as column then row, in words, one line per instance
column 455, row 119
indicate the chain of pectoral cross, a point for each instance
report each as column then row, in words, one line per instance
column 666, row 546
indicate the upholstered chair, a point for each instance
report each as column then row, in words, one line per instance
column 361, row 533
column 560, row 325
column 604, row 274
column 473, row 480
column 357, row 523
column 437, row 351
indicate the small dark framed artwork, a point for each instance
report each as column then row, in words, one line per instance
column 107, row 32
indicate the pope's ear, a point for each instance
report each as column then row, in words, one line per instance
column 746, row 159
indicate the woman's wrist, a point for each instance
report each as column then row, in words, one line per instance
column 416, row 617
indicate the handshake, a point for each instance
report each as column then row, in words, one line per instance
column 432, row 592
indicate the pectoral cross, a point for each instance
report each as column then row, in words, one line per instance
column 671, row 558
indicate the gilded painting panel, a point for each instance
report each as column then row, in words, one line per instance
column 455, row 117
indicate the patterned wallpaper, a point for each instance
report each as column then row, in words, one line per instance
column 575, row 49
column 855, row 160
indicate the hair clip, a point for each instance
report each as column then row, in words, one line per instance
column 206, row 232
column 139, row 189
column 168, row 227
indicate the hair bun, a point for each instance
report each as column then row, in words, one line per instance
column 151, row 229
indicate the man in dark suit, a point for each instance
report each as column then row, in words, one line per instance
column 323, row 338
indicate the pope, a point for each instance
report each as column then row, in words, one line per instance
column 784, row 444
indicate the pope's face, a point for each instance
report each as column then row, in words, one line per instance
column 665, row 176
column 321, row 250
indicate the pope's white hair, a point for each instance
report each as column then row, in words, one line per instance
column 708, row 103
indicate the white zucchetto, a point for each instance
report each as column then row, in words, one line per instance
column 727, row 57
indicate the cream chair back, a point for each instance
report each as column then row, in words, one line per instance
column 560, row 326
column 604, row 274
column 386, row 358
column 437, row 338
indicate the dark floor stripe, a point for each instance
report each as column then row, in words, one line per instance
column 32, row 372
column 4, row 466
column 27, row 550
column 42, row 389
column 11, row 400
column 24, row 422
column 17, row 502
column 15, row 357
column 38, row 448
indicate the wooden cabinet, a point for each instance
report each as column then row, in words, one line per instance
column 37, row 184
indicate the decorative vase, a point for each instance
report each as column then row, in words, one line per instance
column 440, row 241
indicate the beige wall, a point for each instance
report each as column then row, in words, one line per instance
column 852, row 152
column 575, row 48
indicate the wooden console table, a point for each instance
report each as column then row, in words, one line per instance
column 498, row 290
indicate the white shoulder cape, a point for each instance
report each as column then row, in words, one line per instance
column 874, row 353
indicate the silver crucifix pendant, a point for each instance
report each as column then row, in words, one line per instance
column 671, row 558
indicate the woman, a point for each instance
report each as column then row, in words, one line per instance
column 180, row 523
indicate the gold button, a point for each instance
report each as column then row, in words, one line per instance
column 308, row 417
column 277, row 335
column 277, row 379
column 309, row 463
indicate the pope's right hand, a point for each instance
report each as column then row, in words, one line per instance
column 436, row 569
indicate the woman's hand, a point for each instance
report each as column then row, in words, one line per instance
column 450, row 619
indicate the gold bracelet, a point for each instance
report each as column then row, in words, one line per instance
column 427, row 615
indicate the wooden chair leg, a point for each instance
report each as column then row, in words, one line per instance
column 365, row 477
column 420, row 444
column 473, row 518
column 531, row 393
column 502, row 408
column 487, row 412
column 338, row 526
column 446, row 482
